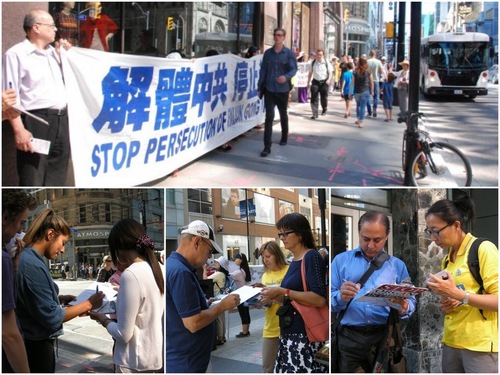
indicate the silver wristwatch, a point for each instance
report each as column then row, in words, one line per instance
column 465, row 301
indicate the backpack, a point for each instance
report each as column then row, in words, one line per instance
column 473, row 264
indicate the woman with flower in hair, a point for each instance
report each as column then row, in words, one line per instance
column 140, row 301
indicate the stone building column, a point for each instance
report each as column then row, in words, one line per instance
column 423, row 331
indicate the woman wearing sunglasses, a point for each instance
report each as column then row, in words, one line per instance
column 470, row 338
column 295, row 351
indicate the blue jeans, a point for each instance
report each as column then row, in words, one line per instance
column 362, row 99
column 376, row 95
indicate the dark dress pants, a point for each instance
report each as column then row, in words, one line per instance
column 358, row 348
column 271, row 100
column 41, row 356
column 319, row 89
column 46, row 170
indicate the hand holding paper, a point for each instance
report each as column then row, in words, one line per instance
column 102, row 301
column 245, row 293
column 391, row 295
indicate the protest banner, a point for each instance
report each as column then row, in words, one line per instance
column 302, row 74
column 134, row 119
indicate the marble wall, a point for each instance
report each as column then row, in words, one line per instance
column 423, row 331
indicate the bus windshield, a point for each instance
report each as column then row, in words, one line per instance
column 458, row 55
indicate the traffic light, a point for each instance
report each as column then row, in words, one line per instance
column 346, row 15
column 389, row 30
column 170, row 23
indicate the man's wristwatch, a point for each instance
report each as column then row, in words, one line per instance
column 465, row 301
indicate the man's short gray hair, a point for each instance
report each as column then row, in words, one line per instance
column 31, row 18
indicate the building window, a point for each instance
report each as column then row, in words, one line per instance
column 170, row 197
column 219, row 27
column 95, row 213
column 107, row 212
column 83, row 214
column 200, row 201
column 157, row 222
column 203, row 25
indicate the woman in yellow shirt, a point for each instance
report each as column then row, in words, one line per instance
column 470, row 338
column 275, row 268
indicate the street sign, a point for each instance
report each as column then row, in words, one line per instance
column 74, row 230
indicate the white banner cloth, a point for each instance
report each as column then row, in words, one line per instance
column 134, row 119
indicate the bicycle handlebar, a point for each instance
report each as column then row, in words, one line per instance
column 409, row 115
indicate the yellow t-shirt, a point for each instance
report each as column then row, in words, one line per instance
column 464, row 327
column 271, row 324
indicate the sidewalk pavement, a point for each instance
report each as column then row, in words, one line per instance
column 240, row 355
column 86, row 346
column 327, row 151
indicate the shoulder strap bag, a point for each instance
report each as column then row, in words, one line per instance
column 316, row 319
column 374, row 265
column 390, row 357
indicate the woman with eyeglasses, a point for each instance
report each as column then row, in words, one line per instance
column 295, row 351
column 138, row 329
column 38, row 303
column 470, row 338
column 106, row 270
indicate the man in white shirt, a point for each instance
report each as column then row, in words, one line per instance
column 321, row 73
column 376, row 69
column 33, row 69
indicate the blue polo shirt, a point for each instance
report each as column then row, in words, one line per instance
column 350, row 266
column 275, row 65
column 38, row 309
column 185, row 351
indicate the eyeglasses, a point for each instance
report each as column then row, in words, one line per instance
column 432, row 232
column 47, row 24
column 209, row 243
column 285, row 234
column 108, row 260
column 278, row 34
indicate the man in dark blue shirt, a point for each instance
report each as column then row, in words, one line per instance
column 189, row 320
column 278, row 67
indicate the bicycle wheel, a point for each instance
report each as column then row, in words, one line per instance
column 443, row 166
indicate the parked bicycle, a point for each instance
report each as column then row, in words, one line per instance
column 433, row 164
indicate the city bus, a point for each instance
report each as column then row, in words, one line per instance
column 454, row 64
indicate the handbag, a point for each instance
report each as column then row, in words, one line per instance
column 390, row 357
column 323, row 354
column 316, row 319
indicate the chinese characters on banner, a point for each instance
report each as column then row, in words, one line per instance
column 134, row 119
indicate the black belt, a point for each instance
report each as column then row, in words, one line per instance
column 321, row 82
column 50, row 111
column 365, row 329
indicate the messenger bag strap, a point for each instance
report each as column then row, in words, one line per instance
column 374, row 265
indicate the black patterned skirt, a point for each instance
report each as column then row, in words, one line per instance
column 296, row 355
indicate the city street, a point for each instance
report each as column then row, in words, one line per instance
column 86, row 346
column 333, row 151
